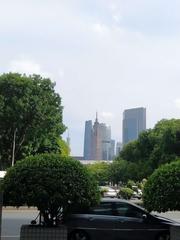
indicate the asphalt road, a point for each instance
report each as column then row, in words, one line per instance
column 12, row 219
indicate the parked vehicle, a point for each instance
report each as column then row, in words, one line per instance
column 109, row 192
column 137, row 194
column 117, row 219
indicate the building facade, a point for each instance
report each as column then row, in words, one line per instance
column 134, row 122
column 97, row 141
column 88, row 141
column 118, row 148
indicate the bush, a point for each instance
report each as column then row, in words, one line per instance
column 125, row 193
column 103, row 190
column 130, row 184
column 162, row 189
column 100, row 171
column 51, row 183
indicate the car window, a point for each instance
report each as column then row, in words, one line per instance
column 127, row 210
column 102, row 209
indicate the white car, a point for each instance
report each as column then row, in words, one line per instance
column 110, row 192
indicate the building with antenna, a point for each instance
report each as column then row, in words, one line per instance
column 97, row 141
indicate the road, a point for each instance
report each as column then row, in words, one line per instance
column 12, row 219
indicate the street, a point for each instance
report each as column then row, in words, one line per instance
column 12, row 219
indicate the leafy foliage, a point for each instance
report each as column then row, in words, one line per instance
column 125, row 193
column 162, row 190
column 153, row 148
column 100, row 171
column 30, row 117
column 103, row 190
column 117, row 171
column 120, row 171
column 51, row 183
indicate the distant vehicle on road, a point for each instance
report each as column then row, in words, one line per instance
column 108, row 192
column 116, row 219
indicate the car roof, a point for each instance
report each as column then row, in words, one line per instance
column 117, row 200
column 113, row 200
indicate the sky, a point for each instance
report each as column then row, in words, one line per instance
column 104, row 55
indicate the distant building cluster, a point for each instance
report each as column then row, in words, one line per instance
column 98, row 144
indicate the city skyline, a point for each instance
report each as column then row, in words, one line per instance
column 98, row 144
column 103, row 55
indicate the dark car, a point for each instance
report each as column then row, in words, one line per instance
column 117, row 219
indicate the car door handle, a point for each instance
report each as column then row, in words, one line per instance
column 91, row 219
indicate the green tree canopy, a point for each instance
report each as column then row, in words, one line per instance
column 100, row 171
column 118, row 171
column 162, row 190
column 30, row 117
column 154, row 147
column 51, row 183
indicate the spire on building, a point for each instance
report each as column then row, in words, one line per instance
column 96, row 117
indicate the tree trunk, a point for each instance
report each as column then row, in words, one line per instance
column 14, row 147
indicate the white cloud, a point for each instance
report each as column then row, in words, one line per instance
column 107, row 115
column 28, row 67
column 98, row 62
column 61, row 73
column 100, row 28
column 177, row 102
column 117, row 18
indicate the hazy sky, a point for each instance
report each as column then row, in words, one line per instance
column 104, row 55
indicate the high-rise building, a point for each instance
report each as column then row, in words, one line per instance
column 118, row 148
column 97, row 141
column 134, row 122
column 112, row 150
column 88, row 140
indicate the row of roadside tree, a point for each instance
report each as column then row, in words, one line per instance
column 31, row 124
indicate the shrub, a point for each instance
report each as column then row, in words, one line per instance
column 125, row 193
column 103, row 190
column 162, row 189
column 56, row 185
column 130, row 184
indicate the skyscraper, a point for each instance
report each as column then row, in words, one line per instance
column 134, row 122
column 97, row 141
column 112, row 150
column 88, row 140
column 118, row 148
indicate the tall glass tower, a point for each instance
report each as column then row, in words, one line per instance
column 88, row 140
column 134, row 122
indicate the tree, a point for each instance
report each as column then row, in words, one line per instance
column 126, row 193
column 100, row 172
column 56, row 145
column 162, row 190
column 153, row 148
column 30, row 117
column 118, row 171
column 51, row 183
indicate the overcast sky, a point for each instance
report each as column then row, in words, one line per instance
column 104, row 55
